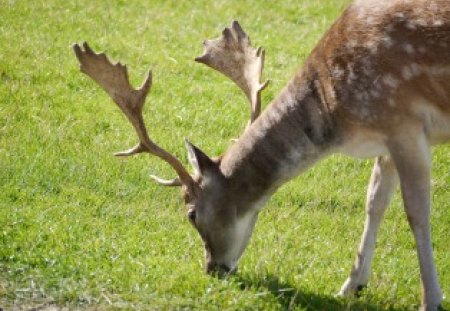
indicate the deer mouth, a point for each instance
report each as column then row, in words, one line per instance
column 220, row 270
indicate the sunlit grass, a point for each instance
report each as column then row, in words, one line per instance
column 83, row 229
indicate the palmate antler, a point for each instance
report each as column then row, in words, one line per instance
column 233, row 56
column 114, row 80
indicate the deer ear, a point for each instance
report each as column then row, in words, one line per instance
column 199, row 160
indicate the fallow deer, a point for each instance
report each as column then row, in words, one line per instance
column 376, row 85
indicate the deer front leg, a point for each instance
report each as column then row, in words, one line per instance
column 411, row 155
column 381, row 186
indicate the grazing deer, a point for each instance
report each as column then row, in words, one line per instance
column 376, row 85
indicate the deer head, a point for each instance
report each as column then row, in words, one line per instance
column 212, row 206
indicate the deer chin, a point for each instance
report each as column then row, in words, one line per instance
column 238, row 236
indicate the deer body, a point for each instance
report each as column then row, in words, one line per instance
column 360, row 83
column 376, row 85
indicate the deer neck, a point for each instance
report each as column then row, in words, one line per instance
column 296, row 130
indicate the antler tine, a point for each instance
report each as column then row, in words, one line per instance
column 165, row 182
column 233, row 56
column 114, row 80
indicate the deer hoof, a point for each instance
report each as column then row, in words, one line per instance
column 351, row 290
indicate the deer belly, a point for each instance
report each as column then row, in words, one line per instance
column 364, row 146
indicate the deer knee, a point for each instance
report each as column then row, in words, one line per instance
column 417, row 219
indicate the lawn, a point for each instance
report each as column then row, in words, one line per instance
column 82, row 229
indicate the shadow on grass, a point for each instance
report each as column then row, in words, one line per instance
column 291, row 297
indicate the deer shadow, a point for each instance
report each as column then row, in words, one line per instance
column 291, row 297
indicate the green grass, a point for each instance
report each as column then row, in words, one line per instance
column 82, row 229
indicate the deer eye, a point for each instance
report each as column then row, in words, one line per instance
column 191, row 215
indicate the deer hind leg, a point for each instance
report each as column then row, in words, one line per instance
column 382, row 184
column 411, row 154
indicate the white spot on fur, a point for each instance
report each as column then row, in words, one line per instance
column 408, row 48
column 373, row 48
column 406, row 73
column 370, row 19
column 411, row 25
column 351, row 44
column 337, row 72
column 411, row 71
column 390, row 81
column 387, row 41
column 421, row 22
column 438, row 70
column 399, row 15
column 351, row 75
column 375, row 94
